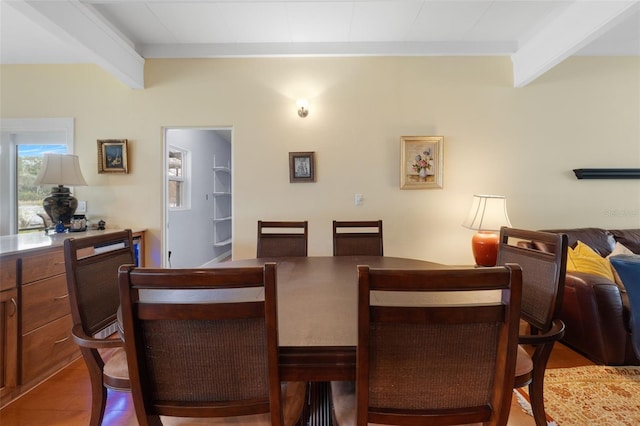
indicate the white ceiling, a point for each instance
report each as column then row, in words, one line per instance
column 118, row 35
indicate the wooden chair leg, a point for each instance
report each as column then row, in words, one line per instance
column 536, row 395
column 98, row 402
column 98, row 392
column 536, row 387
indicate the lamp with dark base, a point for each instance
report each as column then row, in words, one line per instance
column 60, row 170
column 60, row 205
column 487, row 215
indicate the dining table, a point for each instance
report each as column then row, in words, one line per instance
column 317, row 308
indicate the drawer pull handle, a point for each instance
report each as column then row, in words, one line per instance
column 61, row 340
column 15, row 307
column 61, row 297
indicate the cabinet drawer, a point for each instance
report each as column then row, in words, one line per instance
column 43, row 302
column 8, row 272
column 45, row 347
column 38, row 266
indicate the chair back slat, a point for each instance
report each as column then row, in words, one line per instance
column 282, row 238
column 426, row 361
column 357, row 238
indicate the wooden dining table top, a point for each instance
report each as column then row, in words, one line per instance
column 317, row 310
column 317, row 296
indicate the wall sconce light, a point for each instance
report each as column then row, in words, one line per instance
column 303, row 107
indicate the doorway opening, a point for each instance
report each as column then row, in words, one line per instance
column 198, row 217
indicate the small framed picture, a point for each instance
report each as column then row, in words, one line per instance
column 302, row 167
column 421, row 160
column 112, row 156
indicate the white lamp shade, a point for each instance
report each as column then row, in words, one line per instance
column 60, row 169
column 487, row 213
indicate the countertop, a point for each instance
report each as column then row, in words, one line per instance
column 20, row 243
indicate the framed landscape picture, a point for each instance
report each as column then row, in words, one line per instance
column 112, row 156
column 302, row 167
column 421, row 160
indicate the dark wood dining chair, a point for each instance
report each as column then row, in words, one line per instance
column 282, row 238
column 213, row 354
column 419, row 363
column 543, row 258
column 92, row 280
column 357, row 238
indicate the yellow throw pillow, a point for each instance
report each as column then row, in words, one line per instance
column 582, row 258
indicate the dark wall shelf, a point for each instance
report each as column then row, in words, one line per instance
column 607, row 173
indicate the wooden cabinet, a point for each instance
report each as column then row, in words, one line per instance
column 35, row 314
column 8, row 328
column 8, row 272
column 9, row 342
column 47, row 349
column 44, row 301
column 42, row 264
column 45, row 316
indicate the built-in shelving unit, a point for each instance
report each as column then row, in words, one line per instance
column 222, row 218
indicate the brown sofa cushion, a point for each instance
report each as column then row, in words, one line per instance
column 600, row 240
column 630, row 238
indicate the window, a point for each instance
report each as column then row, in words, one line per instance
column 22, row 144
column 30, row 196
column 177, row 164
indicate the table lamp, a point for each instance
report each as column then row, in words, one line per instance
column 487, row 215
column 60, row 170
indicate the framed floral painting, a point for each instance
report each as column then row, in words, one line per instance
column 421, row 160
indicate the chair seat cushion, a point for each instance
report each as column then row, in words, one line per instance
column 524, row 368
column 343, row 399
column 115, row 372
column 293, row 399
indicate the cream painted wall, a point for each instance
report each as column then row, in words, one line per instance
column 522, row 143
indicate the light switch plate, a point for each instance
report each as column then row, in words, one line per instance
column 358, row 199
column 82, row 207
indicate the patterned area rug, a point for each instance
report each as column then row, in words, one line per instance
column 590, row 396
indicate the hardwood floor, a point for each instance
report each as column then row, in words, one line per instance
column 65, row 399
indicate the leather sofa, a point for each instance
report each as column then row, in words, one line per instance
column 594, row 309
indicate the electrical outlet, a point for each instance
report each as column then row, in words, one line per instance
column 82, row 207
column 358, row 199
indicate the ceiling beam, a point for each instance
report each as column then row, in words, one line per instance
column 580, row 24
column 80, row 25
column 252, row 50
